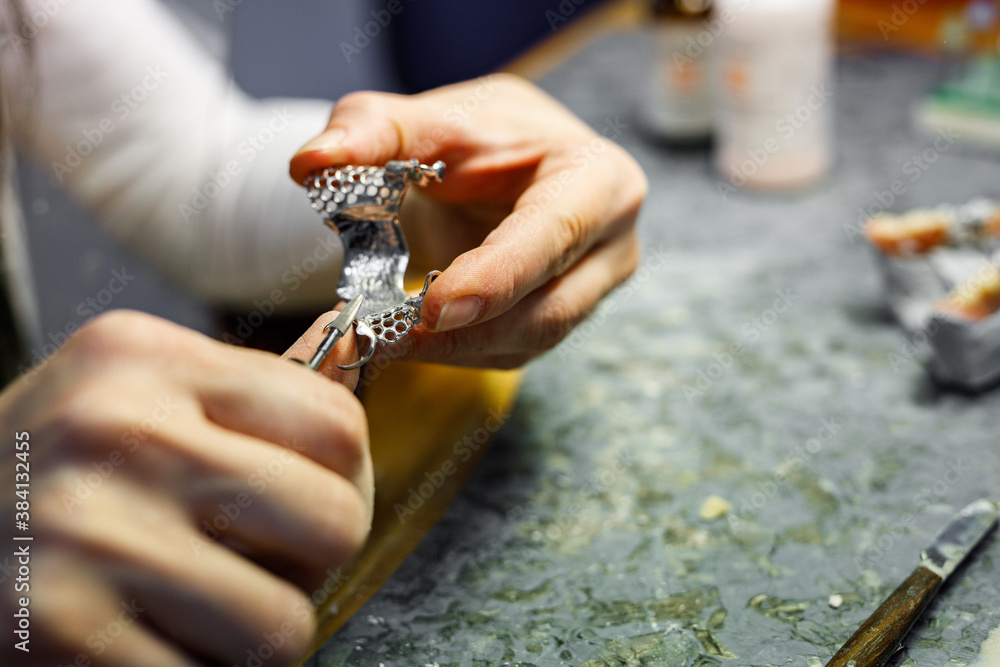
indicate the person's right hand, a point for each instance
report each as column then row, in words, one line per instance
column 186, row 497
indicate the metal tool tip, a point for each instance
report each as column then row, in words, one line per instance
column 347, row 316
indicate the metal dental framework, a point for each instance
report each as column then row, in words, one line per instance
column 362, row 205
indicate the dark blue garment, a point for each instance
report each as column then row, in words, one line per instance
column 435, row 42
column 326, row 48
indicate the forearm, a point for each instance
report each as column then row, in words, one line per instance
column 147, row 131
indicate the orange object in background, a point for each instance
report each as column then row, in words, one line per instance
column 977, row 299
column 914, row 233
column 929, row 26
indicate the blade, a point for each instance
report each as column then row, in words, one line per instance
column 960, row 536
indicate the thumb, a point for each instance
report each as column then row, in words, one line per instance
column 371, row 128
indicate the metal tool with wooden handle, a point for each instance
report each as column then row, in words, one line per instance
column 880, row 636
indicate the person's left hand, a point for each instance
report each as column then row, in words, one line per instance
column 535, row 220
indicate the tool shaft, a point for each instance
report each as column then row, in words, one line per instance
column 880, row 636
column 324, row 348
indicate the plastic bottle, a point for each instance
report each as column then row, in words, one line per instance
column 774, row 101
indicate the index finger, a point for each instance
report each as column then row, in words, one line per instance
column 345, row 352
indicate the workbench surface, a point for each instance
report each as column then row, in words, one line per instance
column 750, row 358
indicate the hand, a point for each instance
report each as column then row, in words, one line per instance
column 186, row 497
column 534, row 220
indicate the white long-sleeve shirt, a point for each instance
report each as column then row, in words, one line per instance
column 145, row 128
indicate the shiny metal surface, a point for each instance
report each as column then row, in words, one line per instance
column 960, row 536
column 971, row 226
column 362, row 204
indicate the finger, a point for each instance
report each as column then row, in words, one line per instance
column 142, row 646
column 486, row 156
column 343, row 353
column 246, row 608
column 205, row 599
column 565, row 213
column 76, row 614
column 282, row 510
column 540, row 321
column 292, row 406
column 295, row 511
column 246, row 391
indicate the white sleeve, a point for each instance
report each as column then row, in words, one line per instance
column 147, row 130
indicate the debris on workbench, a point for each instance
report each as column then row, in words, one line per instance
column 989, row 652
column 714, row 507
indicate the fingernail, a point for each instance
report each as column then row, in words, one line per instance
column 328, row 141
column 459, row 312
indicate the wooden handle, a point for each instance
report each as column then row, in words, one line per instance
column 879, row 636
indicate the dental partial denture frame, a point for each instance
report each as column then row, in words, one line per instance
column 361, row 203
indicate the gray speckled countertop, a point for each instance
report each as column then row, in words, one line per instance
column 578, row 540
